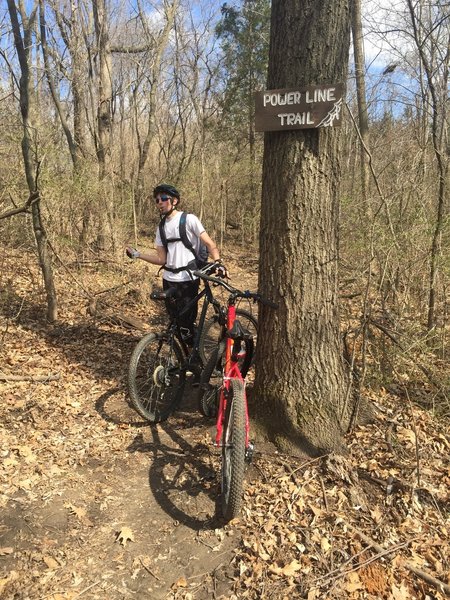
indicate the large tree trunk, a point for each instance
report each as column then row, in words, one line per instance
column 301, row 387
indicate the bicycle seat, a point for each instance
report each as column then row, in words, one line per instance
column 237, row 332
column 163, row 294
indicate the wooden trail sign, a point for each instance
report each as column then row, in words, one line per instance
column 300, row 108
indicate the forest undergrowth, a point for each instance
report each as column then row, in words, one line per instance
column 98, row 504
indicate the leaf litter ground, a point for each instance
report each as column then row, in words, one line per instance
column 98, row 504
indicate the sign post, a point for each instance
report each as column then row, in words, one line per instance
column 301, row 108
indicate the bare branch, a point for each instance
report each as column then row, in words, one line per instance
column 34, row 197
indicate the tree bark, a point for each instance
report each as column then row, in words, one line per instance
column 104, row 120
column 23, row 45
column 301, row 385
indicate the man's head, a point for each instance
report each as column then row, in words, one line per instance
column 166, row 197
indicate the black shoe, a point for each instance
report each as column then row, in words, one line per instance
column 194, row 368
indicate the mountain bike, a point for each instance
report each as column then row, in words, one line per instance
column 222, row 393
column 160, row 362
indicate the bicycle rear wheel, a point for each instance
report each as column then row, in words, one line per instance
column 212, row 331
column 156, row 379
column 211, row 383
column 233, row 451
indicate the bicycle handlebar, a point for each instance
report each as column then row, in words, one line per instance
column 256, row 296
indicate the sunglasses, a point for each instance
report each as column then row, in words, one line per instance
column 162, row 199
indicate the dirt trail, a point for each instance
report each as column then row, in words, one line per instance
column 97, row 504
column 95, row 496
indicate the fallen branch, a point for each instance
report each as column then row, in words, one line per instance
column 89, row 587
column 149, row 570
column 100, row 310
column 341, row 572
column 324, row 493
column 439, row 585
column 33, row 378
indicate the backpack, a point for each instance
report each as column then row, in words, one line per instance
column 201, row 257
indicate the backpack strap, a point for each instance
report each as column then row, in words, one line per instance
column 183, row 238
column 183, row 234
column 162, row 232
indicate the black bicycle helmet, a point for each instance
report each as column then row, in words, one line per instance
column 165, row 188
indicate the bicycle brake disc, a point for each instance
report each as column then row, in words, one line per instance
column 159, row 375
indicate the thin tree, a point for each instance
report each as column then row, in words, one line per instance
column 301, row 387
column 23, row 41
column 54, row 88
column 363, row 120
column 159, row 44
column 104, row 81
column 431, row 34
column 244, row 34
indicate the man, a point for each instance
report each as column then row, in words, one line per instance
column 172, row 253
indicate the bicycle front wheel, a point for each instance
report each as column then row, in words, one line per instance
column 212, row 331
column 233, row 451
column 156, row 379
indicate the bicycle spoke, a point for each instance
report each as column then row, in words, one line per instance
column 212, row 332
column 156, row 378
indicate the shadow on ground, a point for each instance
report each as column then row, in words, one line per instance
column 183, row 473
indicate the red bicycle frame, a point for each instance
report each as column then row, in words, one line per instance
column 230, row 371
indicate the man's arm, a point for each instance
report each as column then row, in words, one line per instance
column 212, row 248
column 155, row 258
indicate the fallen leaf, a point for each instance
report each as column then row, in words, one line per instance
column 292, row 568
column 288, row 570
column 325, row 545
column 376, row 514
column 125, row 535
column 353, row 582
column 80, row 513
column 50, row 562
column 181, row 582
column 400, row 593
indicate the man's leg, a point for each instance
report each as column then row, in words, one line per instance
column 186, row 291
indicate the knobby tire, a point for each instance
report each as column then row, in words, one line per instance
column 156, row 379
column 233, row 451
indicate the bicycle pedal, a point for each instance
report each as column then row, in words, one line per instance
column 249, row 451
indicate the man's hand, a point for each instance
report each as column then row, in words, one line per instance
column 221, row 271
column 132, row 252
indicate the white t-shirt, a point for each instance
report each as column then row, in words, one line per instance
column 177, row 253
